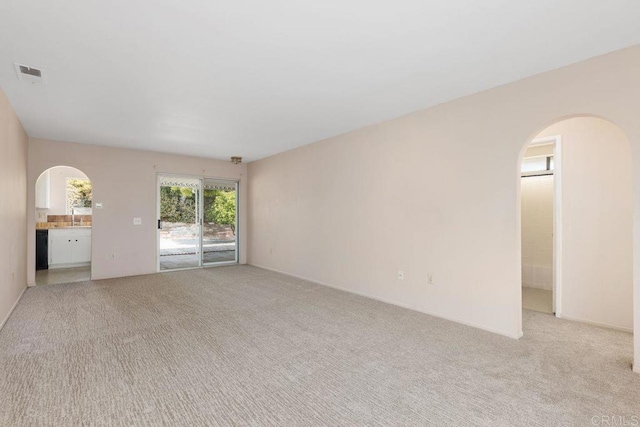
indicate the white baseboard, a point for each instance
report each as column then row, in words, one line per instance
column 594, row 323
column 399, row 304
column 12, row 308
column 74, row 265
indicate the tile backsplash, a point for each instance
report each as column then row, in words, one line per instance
column 68, row 218
column 58, row 221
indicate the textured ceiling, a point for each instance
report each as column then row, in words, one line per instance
column 254, row 78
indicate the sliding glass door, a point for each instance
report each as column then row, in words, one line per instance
column 219, row 236
column 197, row 222
column 179, row 225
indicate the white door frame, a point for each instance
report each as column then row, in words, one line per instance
column 557, row 217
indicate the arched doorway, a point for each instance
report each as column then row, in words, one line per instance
column 63, row 211
column 576, row 211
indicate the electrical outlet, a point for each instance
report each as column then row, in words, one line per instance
column 137, row 221
column 400, row 275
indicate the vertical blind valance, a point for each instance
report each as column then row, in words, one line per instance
column 207, row 183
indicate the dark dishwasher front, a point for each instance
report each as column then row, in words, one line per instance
column 42, row 249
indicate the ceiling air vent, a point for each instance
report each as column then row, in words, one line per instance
column 30, row 74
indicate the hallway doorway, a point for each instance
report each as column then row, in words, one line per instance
column 576, row 211
column 63, row 212
column 539, row 204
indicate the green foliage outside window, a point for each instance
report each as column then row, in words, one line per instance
column 224, row 209
column 177, row 204
column 78, row 193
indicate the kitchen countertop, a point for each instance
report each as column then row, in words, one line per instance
column 77, row 227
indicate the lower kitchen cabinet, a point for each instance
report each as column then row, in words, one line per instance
column 69, row 247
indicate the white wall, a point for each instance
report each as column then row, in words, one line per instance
column 125, row 182
column 13, row 208
column 537, row 232
column 436, row 191
column 597, row 226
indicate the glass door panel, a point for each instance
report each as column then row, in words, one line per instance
column 219, row 228
column 179, row 245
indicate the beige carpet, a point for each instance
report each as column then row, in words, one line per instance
column 243, row 346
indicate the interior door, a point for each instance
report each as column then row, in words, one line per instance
column 179, row 222
column 220, row 223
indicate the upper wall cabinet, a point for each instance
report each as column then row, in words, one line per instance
column 43, row 189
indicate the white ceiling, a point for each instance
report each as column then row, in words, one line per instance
column 253, row 77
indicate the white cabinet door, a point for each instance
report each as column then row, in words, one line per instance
column 60, row 250
column 81, row 249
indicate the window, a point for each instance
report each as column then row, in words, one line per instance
column 78, row 194
column 539, row 165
